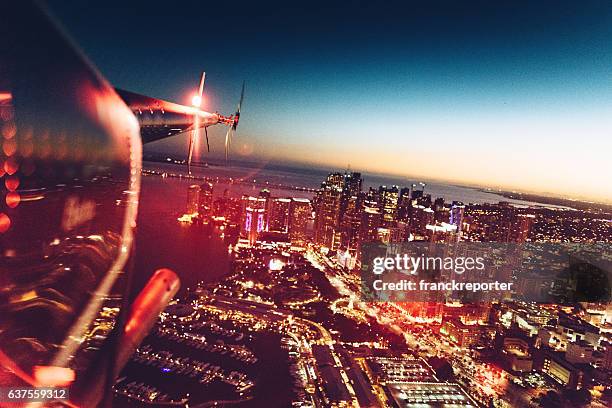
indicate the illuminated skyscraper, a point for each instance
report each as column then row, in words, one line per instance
column 266, row 195
column 339, row 193
column 193, row 199
column 206, row 199
column 424, row 200
column 389, row 197
column 351, row 188
column 351, row 222
column 421, row 217
column 404, row 205
column 278, row 216
column 335, row 180
column 253, row 221
column 327, row 209
column 373, row 194
column 370, row 222
column 457, row 213
column 416, row 193
column 438, row 203
column 300, row 212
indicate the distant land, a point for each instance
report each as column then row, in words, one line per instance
column 583, row 205
column 565, row 202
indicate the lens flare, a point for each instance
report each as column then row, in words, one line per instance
column 5, row 223
column 13, row 199
column 196, row 101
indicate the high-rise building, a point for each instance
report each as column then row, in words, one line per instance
column 193, row 198
column 254, row 215
column 457, row 213
column 351, row 222
column 370, row 222
column 327, row 213
column 416, row 193
column 232, row 209
column 441, row 213
column 205, row 201
column 335, row 180
column 327, row 209
column 351, row 188
column 373, row 194
column 438, row 204
column 300, row 212
column 421, row 217
column 404, row 205
column 278, row 216
column 389, row 197
column 340, row 193
column 401, row 233
column 266, row 195
column 424, row 200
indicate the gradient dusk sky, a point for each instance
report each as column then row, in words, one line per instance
column 511, row 94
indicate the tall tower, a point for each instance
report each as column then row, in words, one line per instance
column 351, row 187
column 327, row 209
column 205, row 201
column 404, row 205
column 278, row 216
column 253, row 218
column 457, row 213
column 193, row 198
column 389, row 197
column 266, row 195
column 422, row 216
column 351, row 221
column 339, row 193
column 300, row 212
column 370, row 222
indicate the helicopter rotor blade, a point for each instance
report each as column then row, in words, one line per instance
column 196, row 123
column 237, row 114
column 227, row 142
column 192, row 137
column 201, row 88
column 241, row 97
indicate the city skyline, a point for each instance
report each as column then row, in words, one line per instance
column 511, row 96
column 499, row 352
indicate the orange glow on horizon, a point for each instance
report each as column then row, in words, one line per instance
column 529, row 172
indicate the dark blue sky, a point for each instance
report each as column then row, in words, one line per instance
column 514, row 94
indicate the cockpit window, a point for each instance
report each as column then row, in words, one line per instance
column 69, row 183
